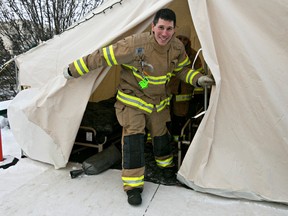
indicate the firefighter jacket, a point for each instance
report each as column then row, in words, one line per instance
column 146, row 71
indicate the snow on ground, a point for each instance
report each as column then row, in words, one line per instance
column 15, row 176
column 35, row 189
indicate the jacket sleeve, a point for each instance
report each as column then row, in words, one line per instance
column 114, row 54
column 184, row 71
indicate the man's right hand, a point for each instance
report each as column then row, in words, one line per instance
column 67, row 73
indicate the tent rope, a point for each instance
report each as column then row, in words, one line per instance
column 2, row 67
column 94, row 14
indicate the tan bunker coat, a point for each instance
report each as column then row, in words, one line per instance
column 146, row 71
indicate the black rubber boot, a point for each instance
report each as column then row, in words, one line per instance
column 168, row 176
column 169, row 172
column 134, row 196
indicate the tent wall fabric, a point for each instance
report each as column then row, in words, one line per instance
column 240, row 149
column 241, row 146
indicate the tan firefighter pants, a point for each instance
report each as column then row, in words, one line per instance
column 135, row 121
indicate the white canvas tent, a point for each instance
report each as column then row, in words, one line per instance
column 240, row 149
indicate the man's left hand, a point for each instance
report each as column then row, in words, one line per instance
column 206, row 81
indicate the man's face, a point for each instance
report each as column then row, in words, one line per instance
column 163, row 31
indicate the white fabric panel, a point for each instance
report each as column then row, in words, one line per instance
column 241, row 147
column 51, row 111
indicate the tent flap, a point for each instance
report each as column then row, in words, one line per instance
column 240, row 150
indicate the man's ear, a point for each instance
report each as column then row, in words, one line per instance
column 152, row 27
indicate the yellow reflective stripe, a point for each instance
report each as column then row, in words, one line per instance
column 112, row 55
column 134, row 101
column 137, row 75
column 106, row 56
column 165, row 163
column 200, row 69
column 169, row 75
column 198, row 90
column 163, row 104
column 133, row 181
column 141, row 104
column 185, row 62
column 149, row 138
column 134, row 69
column 84, row 65
column 190, row 76
column 183, row 97
column 182, row 64
column 109, row 55
column 78, row 68
column 81, row 66
column 159, row 80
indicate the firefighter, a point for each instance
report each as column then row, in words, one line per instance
column 148, row 61
column 182, row 92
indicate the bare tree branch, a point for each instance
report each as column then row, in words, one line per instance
column 25, row 23
column 28, row 22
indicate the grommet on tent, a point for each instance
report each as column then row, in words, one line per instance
column 7, row 161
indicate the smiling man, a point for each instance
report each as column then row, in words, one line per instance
column 148, row 60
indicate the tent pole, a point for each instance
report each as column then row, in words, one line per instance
column 205, row 88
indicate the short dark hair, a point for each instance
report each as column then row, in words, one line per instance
column 165, row 14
